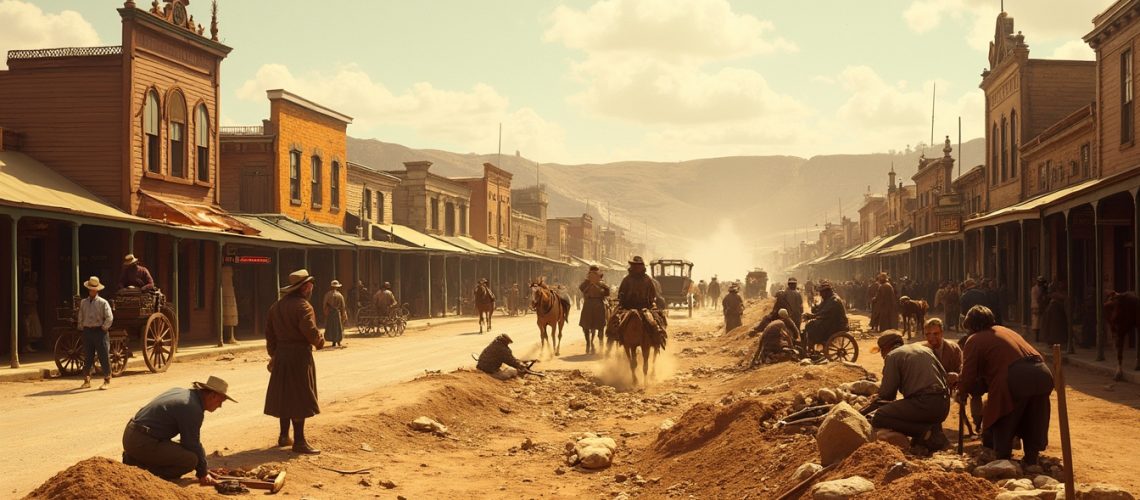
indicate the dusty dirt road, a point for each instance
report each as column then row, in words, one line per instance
column 48, row 425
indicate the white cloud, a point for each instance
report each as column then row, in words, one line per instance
column 27, row 26
column 1039, row 20
column 466, row 120
column 1076, row 50
column 673, row 30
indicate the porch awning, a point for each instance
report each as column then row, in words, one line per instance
column 471, row 245
column 1097, row 190
column 878, row 245
column 935, row 238
column 273, row 233
column 409, row 236
column 893, row 250
column 25, row 182
column 1028, row 209
column 170, row 211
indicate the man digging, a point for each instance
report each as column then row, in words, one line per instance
column 913, row 370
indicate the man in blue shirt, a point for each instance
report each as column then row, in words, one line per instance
column 177, row 412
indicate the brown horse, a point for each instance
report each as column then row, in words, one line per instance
column 912, row 310
column 552, row 309
column 484, row 305
column 630, row 328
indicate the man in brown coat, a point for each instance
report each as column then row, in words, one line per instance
column 593, row 319
column 885, row 312
column 639, row 292
column 290, row 335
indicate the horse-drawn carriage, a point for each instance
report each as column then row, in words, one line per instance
column 371, row 323
column 675, row 277
column 756, row 284
column 143, row 314
column 837, row 346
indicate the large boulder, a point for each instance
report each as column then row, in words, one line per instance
column 864, row 387
column 841, row 489
column 842, row 432
column 998, row 469
column 425, row 424
column 594, row 452
column 805, row 471
column 1044, row 482
column 1102, row 491
column 1029, row 494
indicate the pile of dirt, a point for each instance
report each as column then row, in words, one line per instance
column 935, row 485
column 871, row 461
column 106, row 479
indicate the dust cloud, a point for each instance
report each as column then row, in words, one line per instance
column 722, row 253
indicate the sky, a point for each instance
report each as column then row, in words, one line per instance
column 607, row 80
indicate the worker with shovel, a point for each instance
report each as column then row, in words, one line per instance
column 177, row 412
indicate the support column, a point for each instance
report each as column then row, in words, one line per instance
column 277, row 266
column 459, row 294
column 429, row 287
column 131, row 241
column 444, row 258
column 1098, row 278
column 75, row 259
column 1023, row 290
column 174, row 289
column 218, row 294
column 306, row 259
column 1071, row 349
column 15, row 297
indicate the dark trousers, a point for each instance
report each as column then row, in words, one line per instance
column 97, row 340
column 913, row 416
column 1030, row 382
column 162, row 457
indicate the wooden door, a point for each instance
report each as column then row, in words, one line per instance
column 256, row 190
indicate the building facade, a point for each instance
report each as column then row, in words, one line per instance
column 491, row 206
column 431, row 203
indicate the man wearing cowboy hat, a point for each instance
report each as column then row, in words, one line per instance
column 638, row 291
column 497, row 354
column 177, row 412
column 94, row 321
column 733, row 307
column 826, row 317
column 914, row 371
column 290, row 335
column 336, row 314
column 135, row 275
column 790, row 299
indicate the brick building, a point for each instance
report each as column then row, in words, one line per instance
column 558, row 239
column 491, row 206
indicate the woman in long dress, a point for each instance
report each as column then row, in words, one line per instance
column 336, row 315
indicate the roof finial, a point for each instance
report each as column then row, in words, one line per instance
column 214, row 20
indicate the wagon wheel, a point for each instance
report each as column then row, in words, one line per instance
column 841, row 347
column 169, row 313
column 158, row 338
column 118, row 354
column 399, row 326
column 69, row 354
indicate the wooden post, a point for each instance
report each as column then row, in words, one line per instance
column 1022, row 284
column 15, row 297
column 1069, row 285
column 1099, row 284
column 75, row 260
column 444, row 259
column 218, row 294
column 174, row 293
column 1063, row 420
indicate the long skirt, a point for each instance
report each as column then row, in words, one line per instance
column 731, row 321
column 593, row 315
column 292, row 391
column 334, row 330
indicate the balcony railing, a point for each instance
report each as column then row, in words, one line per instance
column 243, row 130
column 65, row 52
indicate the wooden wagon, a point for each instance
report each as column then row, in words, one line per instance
column 142, row 314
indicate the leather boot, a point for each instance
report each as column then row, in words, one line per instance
column 283, row 441
column 304, row 449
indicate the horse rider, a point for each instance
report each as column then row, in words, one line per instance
column 639, row 292
column 384, row 300
column 826, row 317
column 497, row 354
column 593, row 318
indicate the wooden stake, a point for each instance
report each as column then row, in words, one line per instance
column 1063, row 416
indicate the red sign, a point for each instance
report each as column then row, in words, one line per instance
column 248, row 259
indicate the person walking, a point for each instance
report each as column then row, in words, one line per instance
column 733, row 307
column 95, row 318
column 714, row 292
column 952, row 305
column 177, row 412
column 290, row 335
column 336, row 315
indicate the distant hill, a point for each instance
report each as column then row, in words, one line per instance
column 764, row 197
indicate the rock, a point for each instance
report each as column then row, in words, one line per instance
column 1034, row 469
column 805, row 471
column 898, row 439
column 864, row 387
column 998, row 469
column 387, row 484
column 1043, row 482
column 365, row 446
column 667, row 424
column 559, row 471
column 950, row 464
column 226, row 357
column 527, row 444
column 1028, row 494
column 366, row 481
column 828, row 396
column 1102, row 491
column 620, row 478
column 595, row 452
column 898, row 470
column 577, row 404
column 1015, row 484
column 424, row 424
column 318, row 485
column 841, row 433
column 841, row 489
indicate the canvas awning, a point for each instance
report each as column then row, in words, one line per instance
column 272, row 232
column 1028, row 209
column 935, row 238
column 471, row 245
column 170, row 211
column 877, row 245
column 409, row 236
column 893, row 250
column 25, row 182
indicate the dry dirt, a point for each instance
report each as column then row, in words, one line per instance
column 703, row 428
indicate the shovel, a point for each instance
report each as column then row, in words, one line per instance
column 257, row 484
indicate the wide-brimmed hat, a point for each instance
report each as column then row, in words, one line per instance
column 595, row 268
column 888, row 340
column 93, row 283
column 636, row 260
column 130, row 259
column 504, row 338
column 386, row 285
column 296, row 280
column 335, row 284
column 792, row 280
column 217, row 385
column 734, row 287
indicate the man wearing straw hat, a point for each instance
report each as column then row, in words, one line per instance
column 135, row 275
column 290, row 335
column 94, row 321
column 177, row 412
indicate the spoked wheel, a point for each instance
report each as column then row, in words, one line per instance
column 118, row 354
column 398, row 328
column 169, row 312
column 841, row 346
column 69, row 354
column 158, row 338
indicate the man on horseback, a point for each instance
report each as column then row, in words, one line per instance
column 484, row 303
column 825, row 318
column 593, row 318
column 639, row 292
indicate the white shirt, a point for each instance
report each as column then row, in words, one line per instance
column 95, row 313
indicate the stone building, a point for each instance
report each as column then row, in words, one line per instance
column 491, row 206
column 431, row 203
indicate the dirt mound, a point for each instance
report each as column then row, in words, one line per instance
column 105, row 479
column 935, row 485
column 705, row 422
column 871, row 461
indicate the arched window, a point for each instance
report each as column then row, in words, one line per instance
column 176, row 123
column 994, row 155
column 202, row 141
column 150, row 133
column 1004, row 149
column 1013, row 144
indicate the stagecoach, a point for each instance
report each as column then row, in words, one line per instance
column 756, row 284
column 675, row 277
column 143, row 314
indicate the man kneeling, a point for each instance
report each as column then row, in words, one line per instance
column 497, row 354
column 177, row 412
column 913, row 370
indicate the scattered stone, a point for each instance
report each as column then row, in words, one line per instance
column 366, row 481
column 577, row 404
column 841, row 489
column 1034, row 469
column 387, row 483
column 318, row 485
column 1015, row 484
column 365, row 446
column 1028, row 494
column 638, row 480
column 559, row 471
column 667, row 424
column 826, row 395
column 898, row 439
column 998, row 469
column 505, row 410
column 950, row 464
column 864, row 387
column 620, row 478
column 805, row 471
column 841, row 433
column 898, row 470
column 527, row 445
column 226, row 357
column 425, row 424
column 1102, row 491
column 596, row 452
column 1043, row 482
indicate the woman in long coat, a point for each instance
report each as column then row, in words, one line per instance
column 733, row 306
column 336, row 315
column 1056, row 327
column 290, row 335
column 593, row 318
column 885, row 313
